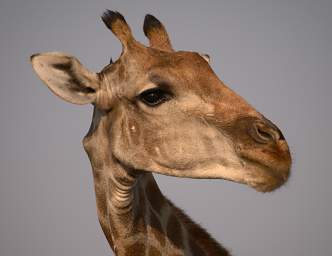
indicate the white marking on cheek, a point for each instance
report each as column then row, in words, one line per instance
column 133, row 128
column 210, row 109
column 157, row 150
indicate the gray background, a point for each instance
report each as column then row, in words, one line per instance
column 277, row 54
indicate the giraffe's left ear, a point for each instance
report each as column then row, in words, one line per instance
column 205, row 57
column 66, row 77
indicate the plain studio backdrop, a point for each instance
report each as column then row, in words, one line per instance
column 276, row 54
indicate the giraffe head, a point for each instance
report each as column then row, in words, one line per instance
column 165, row 111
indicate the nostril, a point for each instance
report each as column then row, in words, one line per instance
column 281, row 136
column 274, row 129
column 265, row 135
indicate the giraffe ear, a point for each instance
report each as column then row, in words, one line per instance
column 66, row 77
column 205, row 57
column 156, row 33
column 118, row 25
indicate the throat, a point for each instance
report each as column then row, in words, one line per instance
column 122, row 189
column 138, row 219
column 132, row 211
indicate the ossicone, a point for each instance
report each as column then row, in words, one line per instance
column 156, row 33
column 118, row 25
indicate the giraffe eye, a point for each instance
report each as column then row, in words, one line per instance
column 154, row 97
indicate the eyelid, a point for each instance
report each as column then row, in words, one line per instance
column 146, row 88
column 164, row 89
column 161, row 81
column 156, row 82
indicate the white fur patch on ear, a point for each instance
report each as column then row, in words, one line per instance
column 205, row 56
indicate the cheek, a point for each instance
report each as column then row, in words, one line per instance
column 177, row 145
column 181, row 146
column 126, row 140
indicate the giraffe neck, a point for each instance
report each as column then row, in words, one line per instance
column 136, row 218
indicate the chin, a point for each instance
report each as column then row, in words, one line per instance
column 267, row 177
column 266, row 168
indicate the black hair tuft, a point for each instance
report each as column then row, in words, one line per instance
column 109, row 17
column 150, row 22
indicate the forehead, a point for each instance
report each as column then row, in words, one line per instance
column 181, row 70
column 184, row 70
column 148, row 59
column 180, row 60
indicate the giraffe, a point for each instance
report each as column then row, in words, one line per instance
column 157, row 110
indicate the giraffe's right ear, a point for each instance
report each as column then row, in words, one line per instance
column 66, row 77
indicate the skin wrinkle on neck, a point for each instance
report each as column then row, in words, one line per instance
column 123, row 201
column 122, row 197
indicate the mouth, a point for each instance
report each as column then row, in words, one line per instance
column 266, row 170
column 264, row 179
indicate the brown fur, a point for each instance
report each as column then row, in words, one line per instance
column 200, row 128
